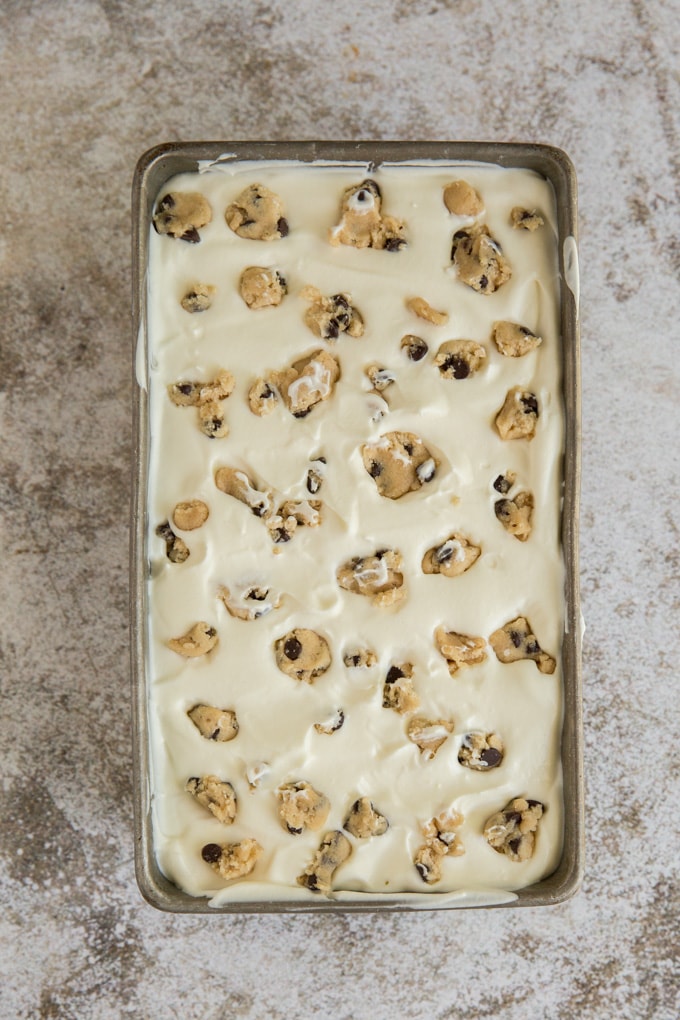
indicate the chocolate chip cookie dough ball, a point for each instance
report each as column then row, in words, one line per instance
column 461, row 199
column 328, row 317
column 512, row 831
column 181, row 215
column 198, row 298
column 399, row 462
column 513, row 340
column 362, row 223
column 216, row 795
column 364, row 820
column 199, row 640
column 257, row 214
column 232, row 860
column 333, row 851
column 302, row 807
column 516, row 641
column 302, row 654
column 481, row 751
column 479, row 260
column 213, row 723
column 261, row 287
column 307, row 382
column 453, row 557
column 378, row 577
column 518, row 416
column 459, row 359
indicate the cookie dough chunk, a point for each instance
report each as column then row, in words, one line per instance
column 515, row 514
column 399, row 462
column 302, row 655
column 362, row 224
column 190, row 515
column 281, row 529
column 261, row 287
column 420, row 307
column 232, row 860
column 200, row 640
column 442, row 840
column 458, row 359
column 379, row 577
column 478, row 259
column 181, row 215
column 306, row 512
column 199, row 298
column 193, row 394
column 262, row 399
column 334, row 850
column 513, row 830
column 516, row 641
column 364, row 820
column 414, row 347
column 302, row 807
column 315, row 475
column 216, row 795
column 461, row 199
column 452, row 557
column 328, row 317
column 257, row 214
column 249, row 603
column 212, row 420
column 459, row 649
column 307, row 382
column 518, row 416
column 513, row 340
column 428, row 734
column 176, row 549
column 481, row 751
column 526, row 219
column 331, row 725
column 218, row 724
column 236, row 483
column 380, row 378
column 398, row 691
column 503, row 483
column 360, row 658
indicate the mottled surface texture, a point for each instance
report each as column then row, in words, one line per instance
column 87, row 87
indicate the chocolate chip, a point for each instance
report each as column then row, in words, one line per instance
column 394, row 244
column 515, row 637
column 215, row 734
column 532, row 648
column 292, row 830
column 393, row 674
column 530, row 404
column 534, row 803
column 355, row 660
column 381, row 552
column 292, row 649
column 409, row 448
column 415, row 348
column 456, row 365
column 362, row 196
column 282, row 280
column 514, row 844
column 257, row 594
column 503, row 509
column 186, row 388
column 526, row 332
column 167, row 202
column 191, row 235
column 422, row 870
column 513, row 816
column 211, row 853
column 302, row 414
column 282, row 227
column 375, row 469
column 483, row 282
column 491, row 757
column 502, row 484
column 341, row 301
column 313, row 483
column 443, row 553
column 332, row 330
column 281, row 535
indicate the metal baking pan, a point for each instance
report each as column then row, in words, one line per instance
column 153, row 171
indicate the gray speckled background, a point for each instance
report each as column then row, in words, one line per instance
column 86, row 88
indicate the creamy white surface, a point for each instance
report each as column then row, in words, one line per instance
column 371, row 754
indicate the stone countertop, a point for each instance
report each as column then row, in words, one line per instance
column 87, row 88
